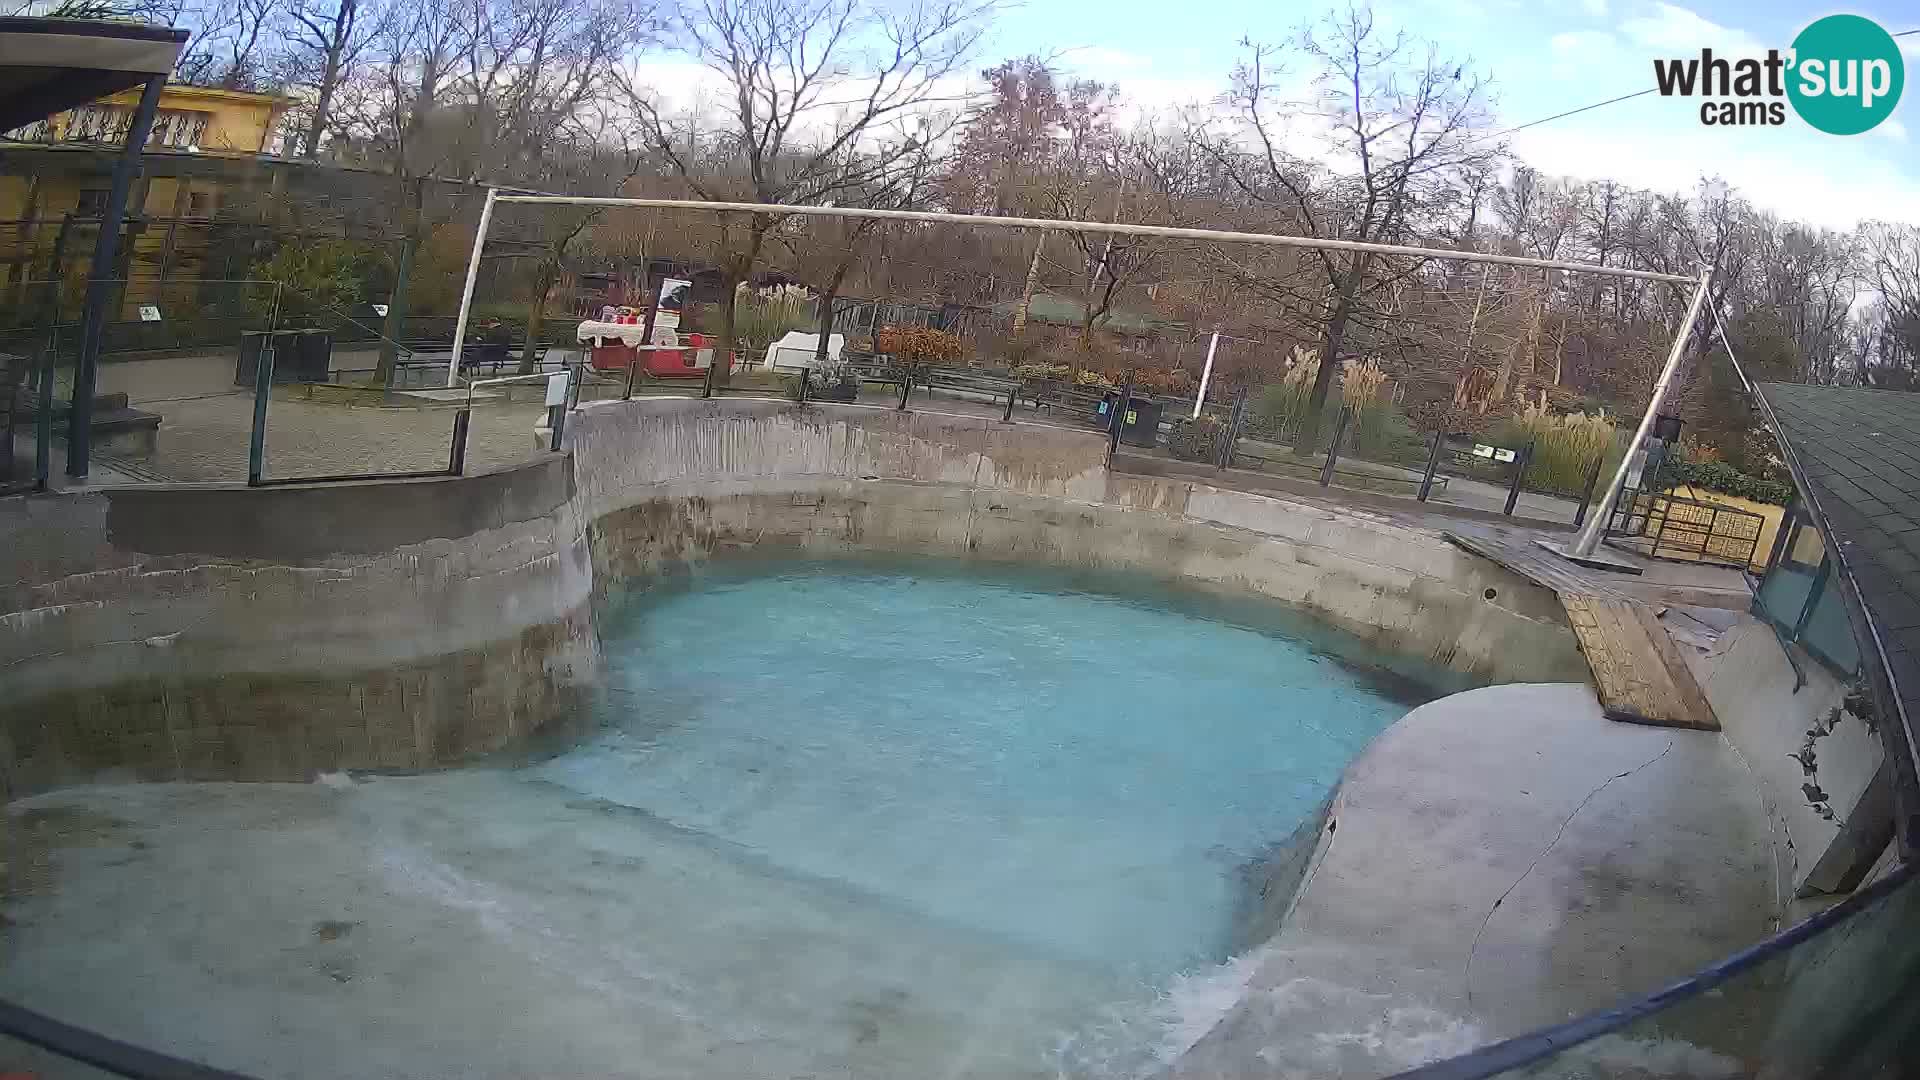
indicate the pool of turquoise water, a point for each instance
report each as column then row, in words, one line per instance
column 1077, row 767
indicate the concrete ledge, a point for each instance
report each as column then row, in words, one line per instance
column 1498, row 860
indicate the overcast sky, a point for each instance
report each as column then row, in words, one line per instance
column 1545, row 56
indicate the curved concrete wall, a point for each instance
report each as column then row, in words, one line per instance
column 672, row 481
column 268, row 634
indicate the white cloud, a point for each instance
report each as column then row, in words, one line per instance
column 1595, row 8
column 1790, row 171
column 1910, row 45
column 1574, row 44
column 1891, row 128
column 1671, row 28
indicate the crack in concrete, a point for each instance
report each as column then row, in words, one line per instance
column 1466, row 975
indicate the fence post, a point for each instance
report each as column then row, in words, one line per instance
column 806, row 381
column 1433, row 464
column 906, row 387
column 262, row 387
column 1586, row 493
column 1519, row 477
column 43, row 413
column 1118, row 419
column 1333, row 448
column 1013, row 388
column 1236, row 420
column 633, row 365
column 457, row 457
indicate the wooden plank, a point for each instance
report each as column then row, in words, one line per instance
column 1638, row 671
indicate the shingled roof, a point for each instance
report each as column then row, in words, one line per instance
column 1858, row 452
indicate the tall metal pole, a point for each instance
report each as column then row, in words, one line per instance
column 1206, row 374
column 106, row 251
column 1590, row 533
column 466, row 294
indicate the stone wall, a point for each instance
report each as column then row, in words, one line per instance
column 267, row 634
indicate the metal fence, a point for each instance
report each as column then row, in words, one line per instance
column 1660, row 525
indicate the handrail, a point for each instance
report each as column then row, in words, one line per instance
column 540, row 375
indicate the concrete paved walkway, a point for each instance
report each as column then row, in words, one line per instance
column 1500, row 860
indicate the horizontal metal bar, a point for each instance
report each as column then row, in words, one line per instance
column 1113, row 228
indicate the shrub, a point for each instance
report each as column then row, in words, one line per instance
column 1564, row 446
column 764, row 316
column 318, row 278
column 918, row 344
column 1724, row 478
column 1194, row 440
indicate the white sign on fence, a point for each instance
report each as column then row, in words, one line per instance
column 379, row 309
column 149, row 313
column 1497, row 453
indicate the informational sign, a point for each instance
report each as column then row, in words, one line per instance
column 673, row 297
column 1133, row 417
column 379, row 309
column 556, row 389
column 1497, row 453
column 149, row 313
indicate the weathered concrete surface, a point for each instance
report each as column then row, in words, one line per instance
column 1402, row 591
column 480, row 923
column 630, row 450
column 1498, row 860
column 250, row 634
column 1750, row 683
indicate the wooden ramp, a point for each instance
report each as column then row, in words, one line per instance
column 1637, row 669
column 1639, row 672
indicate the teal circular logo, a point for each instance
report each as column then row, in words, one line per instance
column 1846, row 74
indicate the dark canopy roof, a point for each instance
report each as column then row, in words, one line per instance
column 49, row 65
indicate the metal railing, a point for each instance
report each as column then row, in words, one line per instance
column 1660, row 525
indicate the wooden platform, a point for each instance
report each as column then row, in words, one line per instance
column 1638, row 670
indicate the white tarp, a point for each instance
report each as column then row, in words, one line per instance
column 796, row 350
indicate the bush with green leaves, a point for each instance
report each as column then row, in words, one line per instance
column 1565, row 445
column 1725, row 479
column 318, row 279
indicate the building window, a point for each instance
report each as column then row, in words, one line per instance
column 178, row 130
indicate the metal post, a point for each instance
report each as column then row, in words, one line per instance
column 1588, row 538
column 1206, row 375
column 105, row 256
column 1586, row 490
column 906, row 386
column 806, row 377
column 43, row 415
column 262, row 388
column 1119, row 419
column 1519, row 477
column 1013, row 390
column 1236, row 419
column 1433, row 464
column 457, row 458
column 466, row 293
column 1333, row 448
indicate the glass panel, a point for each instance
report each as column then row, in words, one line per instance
column 1784, row 593
column 1828, row 634
column 1808, row 548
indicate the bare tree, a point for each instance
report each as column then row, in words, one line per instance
column 324, row 40
column 1398, row 123
column 230, row 43
column 823, row 98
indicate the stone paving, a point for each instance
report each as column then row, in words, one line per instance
column 206, row 422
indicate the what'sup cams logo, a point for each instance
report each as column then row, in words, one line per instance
column 1843, row 75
